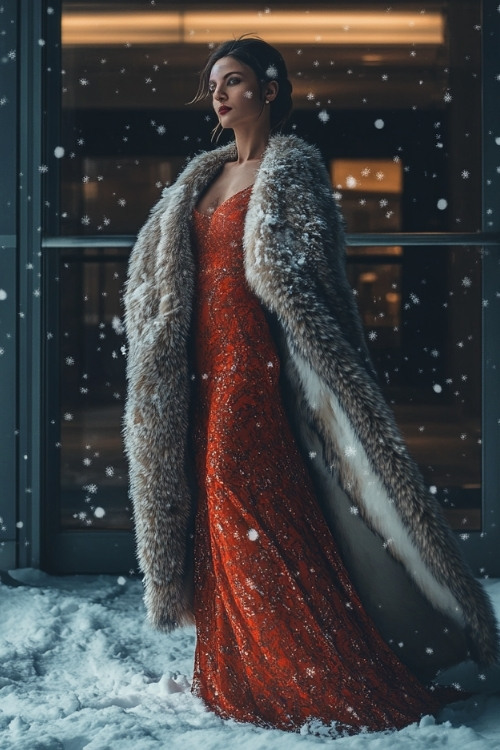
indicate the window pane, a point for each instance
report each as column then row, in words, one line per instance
column 94, row 477
column 422, row 314
column 371, row 82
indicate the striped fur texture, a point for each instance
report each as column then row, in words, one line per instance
column 295, row 264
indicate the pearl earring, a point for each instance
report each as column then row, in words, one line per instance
column 267, row 101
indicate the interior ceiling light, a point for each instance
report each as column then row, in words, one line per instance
column 279, row 27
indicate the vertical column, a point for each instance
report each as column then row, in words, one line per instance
column 491, row 286
column 9, row 60
column 31, row 172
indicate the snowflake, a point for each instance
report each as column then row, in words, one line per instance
column 323, row 116
column 365, row 171
column 311, row 96
column 3, row 100
column 353, row 510
column 117, row 325
column 248, row 94
column 85, row 220
column 122, row 202
column 372, row 335
column 466, row 282
column 110, row 472
column 350, row 451
column 84, row 82
column 70, row 361
column 91, row 488
column 253, row 535
column 379, row 176
column 465, row 174
column 429, row 650
column 272, row 72
column 161, row 129
column 85, row 178
column 68, row 417
column 11, row 54
column 43, row 169
column 87, row 461
column 447, row 97
column 383, row 202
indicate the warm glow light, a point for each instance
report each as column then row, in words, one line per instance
column 367, row 175
column 279, row 27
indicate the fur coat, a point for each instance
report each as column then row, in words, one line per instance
column 387, row 525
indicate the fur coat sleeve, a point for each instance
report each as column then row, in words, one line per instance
column 295, row 264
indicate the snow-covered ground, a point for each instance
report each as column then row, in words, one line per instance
column 80, row 668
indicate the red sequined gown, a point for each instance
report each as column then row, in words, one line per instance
column 282, row 637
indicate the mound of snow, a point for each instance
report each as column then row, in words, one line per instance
column 80, row 669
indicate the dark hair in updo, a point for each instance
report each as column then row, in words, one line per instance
column 267, row 64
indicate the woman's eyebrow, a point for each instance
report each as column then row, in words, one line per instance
column 231, row 73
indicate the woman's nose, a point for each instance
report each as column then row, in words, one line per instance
column 219, row 93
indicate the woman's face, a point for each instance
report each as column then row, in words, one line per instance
column 236, row 94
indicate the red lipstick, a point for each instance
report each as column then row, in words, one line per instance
column 223, row 110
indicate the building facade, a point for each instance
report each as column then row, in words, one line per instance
column 404, row 105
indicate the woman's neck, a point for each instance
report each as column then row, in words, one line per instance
column 251, row 146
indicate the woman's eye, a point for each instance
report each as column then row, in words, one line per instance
column 234, row 81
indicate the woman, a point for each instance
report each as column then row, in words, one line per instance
column 326, row 582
